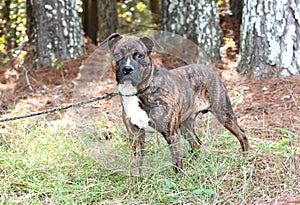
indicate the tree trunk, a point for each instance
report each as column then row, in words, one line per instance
column 107, row 18
column 100, row 19
column 155, row 10
column 270, row 38
column 197, row 20
column 57, row 31
column 236, row 7
column 29, row 21
column 89, row 21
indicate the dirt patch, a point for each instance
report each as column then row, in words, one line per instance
column 269, row 104
column 24, row 89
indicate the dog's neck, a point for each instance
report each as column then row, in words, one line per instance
column 153, row 67
column 149, row 80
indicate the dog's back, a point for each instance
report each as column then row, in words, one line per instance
column 208, row 88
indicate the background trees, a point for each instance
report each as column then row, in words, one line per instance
column 99, row 19
column 90, row 19
column 195, row 20
column 56, row 31
column 12, row 24
column 269, row 33
column 236, row 7
column 270, row 38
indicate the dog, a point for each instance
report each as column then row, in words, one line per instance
column 166, row 101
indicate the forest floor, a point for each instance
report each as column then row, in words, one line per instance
column 266, row 107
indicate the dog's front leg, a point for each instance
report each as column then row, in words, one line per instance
column 173, row 139
column 136, row 138
column 137, row 145
column 165, row 120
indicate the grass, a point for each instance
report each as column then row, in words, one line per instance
column 46, row 162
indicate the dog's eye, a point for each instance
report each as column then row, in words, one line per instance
column 118, row 56
column 138, row 56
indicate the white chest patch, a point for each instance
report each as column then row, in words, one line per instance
column 137, row 115
column 127, row 88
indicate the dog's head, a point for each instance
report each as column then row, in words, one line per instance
column 134, row 67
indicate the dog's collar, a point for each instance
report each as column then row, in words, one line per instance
column 137, row 93
column 127, row 95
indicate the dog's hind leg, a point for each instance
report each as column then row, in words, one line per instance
column 234, row 128
column 225, row 115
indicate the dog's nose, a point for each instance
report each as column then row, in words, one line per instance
column 127, row 69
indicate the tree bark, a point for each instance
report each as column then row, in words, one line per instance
column 57, row 31
column 89, row 21
column 29, row 21
column 100, row 19
column 270, row 38
column 236, row 7
column 197, row 20
column 155, row 10
column 107, row 18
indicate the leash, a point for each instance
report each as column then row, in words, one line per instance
column 64, row 107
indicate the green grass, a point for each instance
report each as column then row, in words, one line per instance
column 43, row 162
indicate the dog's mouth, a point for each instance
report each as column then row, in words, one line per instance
column 126, row 88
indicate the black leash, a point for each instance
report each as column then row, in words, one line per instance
column 105, row 96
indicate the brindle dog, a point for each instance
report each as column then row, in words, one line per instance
column 155, row 98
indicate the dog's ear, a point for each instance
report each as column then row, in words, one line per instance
column 110, row 41
column 151, row 44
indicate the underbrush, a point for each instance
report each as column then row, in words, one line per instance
column 49, row 162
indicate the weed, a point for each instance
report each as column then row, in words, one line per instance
column 43, row 162
column 239, row 99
